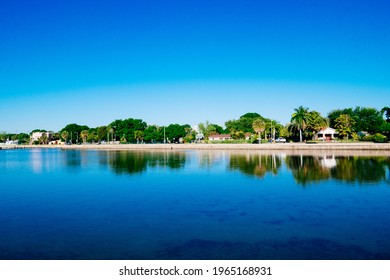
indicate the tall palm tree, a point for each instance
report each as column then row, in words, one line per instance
column 65, row 135
column 111, row 131
column 84, row 135
column 139, row 135
column 258, row 126
column 300, row 118
column 43, row 139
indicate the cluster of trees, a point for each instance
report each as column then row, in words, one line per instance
column 350, row 122
column 359, row 123
column 127, row 131
column 22, row 138
column 304, row 125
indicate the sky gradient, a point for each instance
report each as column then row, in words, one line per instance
column 188, row 61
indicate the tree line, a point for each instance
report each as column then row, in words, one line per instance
column 359, row 123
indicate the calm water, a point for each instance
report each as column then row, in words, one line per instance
column 192, row 205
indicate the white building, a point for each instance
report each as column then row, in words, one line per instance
column 220, row 137
column 36, row 135
column 327, row 134
column 12, row 142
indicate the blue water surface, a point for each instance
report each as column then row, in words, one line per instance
column 58, row 204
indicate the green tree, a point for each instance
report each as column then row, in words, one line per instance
column 43, row 140
column 190, row 135
column 92, row 135
column 65, row 135
column 315, row 122
column 74, row 131
column 102, row 133
column 23, row 138
column 344, row 125
column 126, row 128
column 284, row 132
column 386, row 111
column 138, row 135
column 207, row 129
column 259, row 127
column 299, row 117
column 238, row 128
column 153, row 133
column 334, row 114
column 367, row 119
column 176, row 131
column 3, row 137
column 84, row 135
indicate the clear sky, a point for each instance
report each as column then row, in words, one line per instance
column 92, row 62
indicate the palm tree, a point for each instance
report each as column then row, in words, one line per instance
column 300, row 118
column 43, row 139
column 258, row 126
column 111, row 131
column 65, row 135
column 138, row 134
column 84, row 135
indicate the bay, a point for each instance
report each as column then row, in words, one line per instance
column 85, row 204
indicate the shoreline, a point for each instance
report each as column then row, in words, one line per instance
column 242, row 147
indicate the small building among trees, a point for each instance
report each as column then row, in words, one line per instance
column 327, row 134
column 219, row 137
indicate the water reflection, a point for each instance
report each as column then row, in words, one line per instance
column 137, row 162
column 308, row 169
column 362, row 169
column 352, row 169
column 305, row 169
column 254, row 164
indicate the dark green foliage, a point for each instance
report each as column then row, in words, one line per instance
column 38, row 130
column 101, row 132
column 174, row 132
column 219, row 129
column 74, row 131
column 251, row 116
column 154, row 134
column 126, row 128
column 244, row 123
column 367, row 119
column 335, row 114
column 23, row 138
column 386, row 111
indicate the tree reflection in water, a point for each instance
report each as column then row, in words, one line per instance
column 362, row 169
column 352, row 169
column 306, row 169
column 130, row 162
column 256, row 165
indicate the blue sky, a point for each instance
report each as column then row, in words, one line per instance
column 188, row 61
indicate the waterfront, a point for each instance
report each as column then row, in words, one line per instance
column 89, row 204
